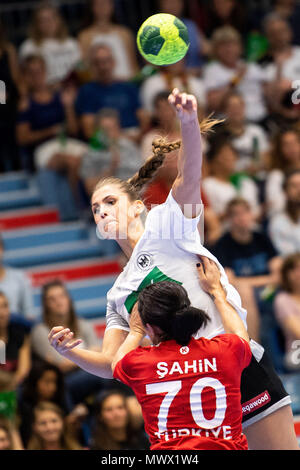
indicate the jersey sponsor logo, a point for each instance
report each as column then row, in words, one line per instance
column 184, row 350
column 256, row 403
column 144, row 261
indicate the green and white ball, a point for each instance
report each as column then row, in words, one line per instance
column 163, row 39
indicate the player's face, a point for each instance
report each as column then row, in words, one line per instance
column 113, row 212
column 47, row 385
column 4, row 311
column 48, row 426
column 114, row 413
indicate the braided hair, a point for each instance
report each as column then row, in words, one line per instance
column 135, row 185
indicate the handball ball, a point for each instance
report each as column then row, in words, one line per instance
column 163, row 39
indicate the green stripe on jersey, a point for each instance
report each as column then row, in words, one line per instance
column 154, row 276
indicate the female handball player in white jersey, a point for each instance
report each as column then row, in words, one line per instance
column 166, row 248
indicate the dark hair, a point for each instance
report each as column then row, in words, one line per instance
column 166, row 304
column 101, row 438
column 288, row 176
column 288, row 265
column 72, row 321
column 277, row 159
column 30, row 393
column 216, row 145
column 291, row 208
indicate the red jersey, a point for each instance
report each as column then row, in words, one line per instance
column 190, row 395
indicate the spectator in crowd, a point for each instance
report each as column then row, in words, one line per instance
column 199, row 46
column 107, row 92
column 284, row 226
column 16, row 287
column 112, row 153
column 287, row 309
column 248, row 139
column 57, row 308
column 169, row 77
column 103, row 29
column 49, row 429
column 45, row 382
column 49, row 38
column 42, row 112
column 281, row 68
column 9, row 435
column 284, row 157
column 223, row 183
column 289, row 10
column 227, row 72
column 17, row 351
column 9, row 75
column 249, row 258
column 113, row 429
column 219, row 13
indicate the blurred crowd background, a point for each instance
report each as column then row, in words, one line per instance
column 81, row 103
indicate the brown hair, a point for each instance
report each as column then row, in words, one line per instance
column 72, row 321
column 277, row 159
column 160, row 147
column 66, row 441
column 237, row 201
column 34, row 32
column 288, row 265
column 101, row 437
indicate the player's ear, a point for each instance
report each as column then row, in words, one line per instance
column 139, row 207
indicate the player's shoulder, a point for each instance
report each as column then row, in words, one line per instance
column 229, row 340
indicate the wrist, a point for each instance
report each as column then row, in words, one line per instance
column 217, row 293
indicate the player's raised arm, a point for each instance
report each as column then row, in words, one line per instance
column 186, row 187
column 209, row 276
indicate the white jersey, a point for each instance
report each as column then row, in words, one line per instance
column 167, row 250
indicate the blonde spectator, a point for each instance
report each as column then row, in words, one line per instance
column 49, row 37
column 49, row 430
column 119, row 38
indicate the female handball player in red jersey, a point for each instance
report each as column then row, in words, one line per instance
column 189, row 389
column 165, row 247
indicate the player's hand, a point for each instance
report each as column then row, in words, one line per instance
column 61, row 339
column 136, row 325
column 209, row 276
column 185, row 106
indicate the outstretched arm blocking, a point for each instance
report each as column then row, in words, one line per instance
column 186, row 187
